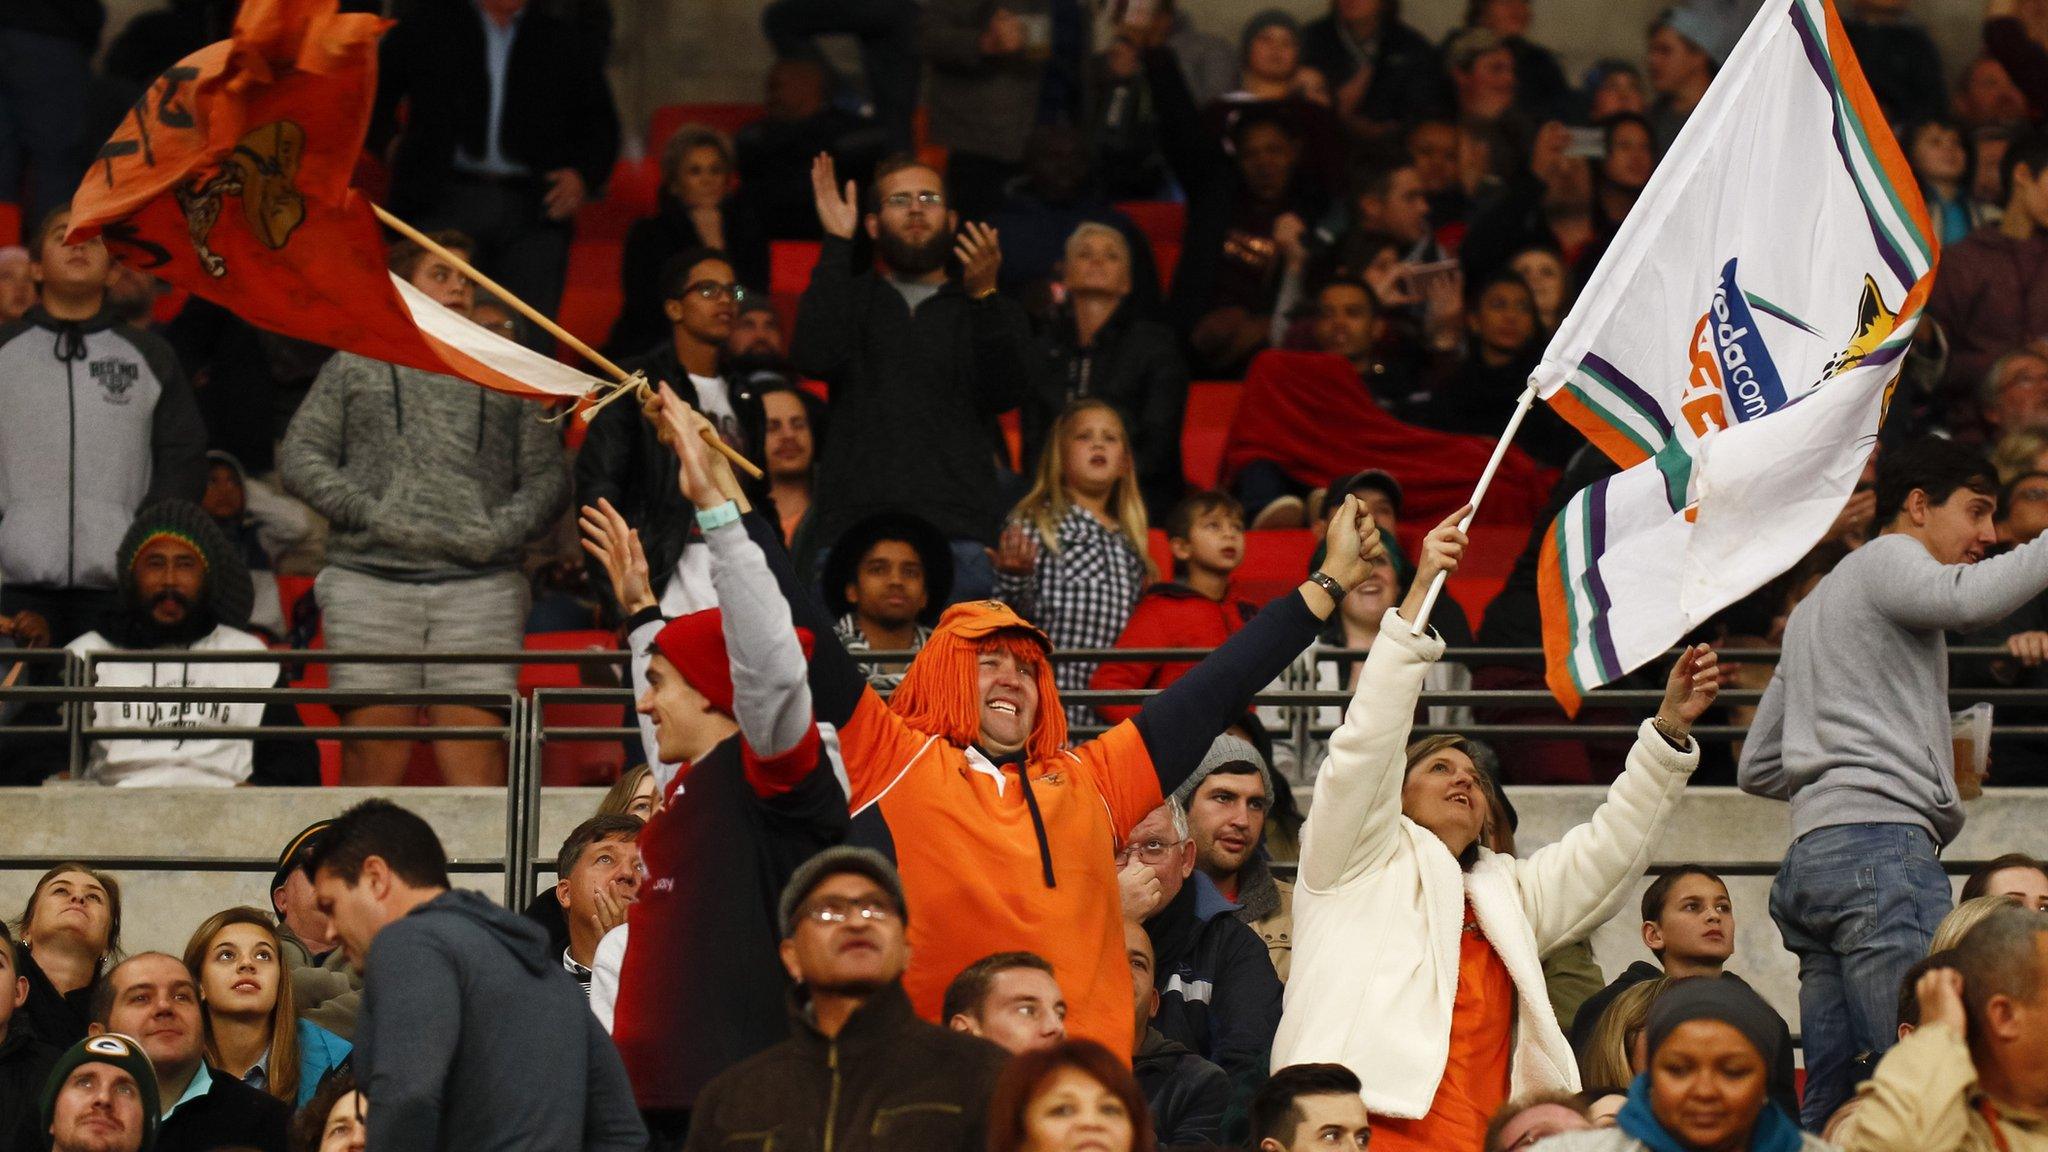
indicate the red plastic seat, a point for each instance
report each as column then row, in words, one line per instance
column 1205, row 429
column 1275, row 561
column 573, row 763
column 789, row 267
column 591, row 296
column 1162, row 221
column 10, row 223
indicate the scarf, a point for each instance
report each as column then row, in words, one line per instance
column 1774, row 1132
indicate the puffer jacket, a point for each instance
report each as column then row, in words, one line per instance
column 424, row 477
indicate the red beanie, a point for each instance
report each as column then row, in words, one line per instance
column 695, row 644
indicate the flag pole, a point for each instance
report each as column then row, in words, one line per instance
column 1500, row 451
column 625, row 380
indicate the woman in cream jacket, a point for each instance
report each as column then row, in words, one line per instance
column 1418, row 953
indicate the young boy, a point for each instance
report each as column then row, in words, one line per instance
column 1689, row 926
column 1199, row 609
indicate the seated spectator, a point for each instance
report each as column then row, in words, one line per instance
column 2013, row 396
column 17, row 283
column 1199, row 608
column 1531, row 1119
column 183, row 587
column 261, row 525
column 69, row 931
column 1041, row 211
column 599, row 874
column 1551, row 203
column 1542, row 268
column 792, row 428
column 335, row 1120
column 1542, row 92
column 1688, row 44
column 1345, row 321
column 1699, row 1024
column 1905, row 70
column 698, row 206
column 252, row 1032
column 1478, row 395
column 1613, row 86
column 1225, row 800
column 153, row 996
column 1622, row 173
column 1309, row 1108
column 1076, row 1095
column 1011, row 999
column 1073, row 556
column 1120, row 116
column 1406, row 866
column 756, row 343
column 2016, row 876
column 1689, row 926
column 25, row 1060
column 1483, row 84
column 432, row 486
column 326, row 990
column 905, row 1083
column 879, row 583
column 2020, row 451
column 1961, row 919
column 903, row 340
column 1381, row 72
column 1984, row 300
column 1269, row 64
column 1944, row 168
column 1098, row 344
column 634, row 793
column 101, row 1096
column 799, row 121
column 1434, row 147
column 437, row 1051
column 1186, row 1095
column 1218, row 993
column 1986, row 97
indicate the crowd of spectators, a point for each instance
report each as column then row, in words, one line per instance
column 932, row 890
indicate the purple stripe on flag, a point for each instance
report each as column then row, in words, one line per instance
column 1818, row 58
column 1596, row 546
column 1630, row 389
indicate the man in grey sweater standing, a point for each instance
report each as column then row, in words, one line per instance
column 1854, row 731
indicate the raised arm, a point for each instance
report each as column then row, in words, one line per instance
column 1922, row 592
column 828, row 325
column 1921, row 1094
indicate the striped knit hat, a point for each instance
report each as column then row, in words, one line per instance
column 229, row 593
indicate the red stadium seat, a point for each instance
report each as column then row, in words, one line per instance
column 1212, row 405
column 591, row 297
column 572, row 763
column 727, row 118
column 1166, row 256
column 1162, row 221
column 789, row 266
column 10, row 223
column 1275, row 560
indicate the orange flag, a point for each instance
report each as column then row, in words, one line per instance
column 230, row 178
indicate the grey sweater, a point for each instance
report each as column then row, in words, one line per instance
column 474, row 1039
column 1854, row 728
column 424, row 477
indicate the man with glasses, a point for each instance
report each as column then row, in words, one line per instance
column 2014, row 396
column 623, row 459
column 860, row 1072
column 920, row 365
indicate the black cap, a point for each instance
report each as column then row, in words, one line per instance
column 295, row 850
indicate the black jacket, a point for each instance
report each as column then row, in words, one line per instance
column 888, row 1082
column 56, row 1019
column 623, row 461
column 670, row 232
column 774, row 160
column 1136, row 366
column 1218, row 993
column 230, row 1114
column 1780, row 1088
column 1186, row 1094
column 1407, row 79
column 25, row 1064
column 914, row 397
column 558, row 110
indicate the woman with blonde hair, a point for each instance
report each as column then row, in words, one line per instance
column 1961, row 919
column 1610, row 1055
column 635, row 793
column 245, row 1008
column 1073, row 558
column 70, row 933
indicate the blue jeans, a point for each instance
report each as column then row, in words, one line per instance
column 1858, row 904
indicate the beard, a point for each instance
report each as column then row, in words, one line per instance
column 139, row 628
column 908, row 258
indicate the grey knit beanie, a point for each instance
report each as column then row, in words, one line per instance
column 1225, row 749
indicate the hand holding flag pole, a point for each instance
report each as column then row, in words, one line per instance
column 633, row 384
column 1500, row 450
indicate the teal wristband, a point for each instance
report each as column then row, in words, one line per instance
column 719, row 517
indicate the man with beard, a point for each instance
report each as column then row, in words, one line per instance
column 183, row 587
column 919, row 364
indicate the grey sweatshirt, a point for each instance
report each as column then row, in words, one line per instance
column 1854, row 728
column 424, row 477
column 474, row 1039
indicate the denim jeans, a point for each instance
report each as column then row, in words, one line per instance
column 1858, row 904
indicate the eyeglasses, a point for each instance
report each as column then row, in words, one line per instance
column 921, row 199
column 715, row 290
column 1151, row 852
column 840, row 911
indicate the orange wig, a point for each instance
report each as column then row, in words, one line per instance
column 941, row 693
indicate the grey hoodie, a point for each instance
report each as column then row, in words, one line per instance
column 424, row 477
column 474, row 1039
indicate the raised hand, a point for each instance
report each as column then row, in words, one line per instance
column 699, row 463
column 1694, row 682
column 1940, row 991
column 616, row 548
column 838, row 212
column 1442, row 551
column 1016, row 551
column 981, row 257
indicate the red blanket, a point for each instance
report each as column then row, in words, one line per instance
column 1311, row 414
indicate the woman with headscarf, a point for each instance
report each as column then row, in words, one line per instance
column 1712, row 1042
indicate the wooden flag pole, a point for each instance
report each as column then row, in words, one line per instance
column 1500, row 451
column 619, row 374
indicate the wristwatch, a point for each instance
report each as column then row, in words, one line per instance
column 1327, row 583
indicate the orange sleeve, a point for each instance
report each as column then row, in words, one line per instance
column 875, row 743
column 1122, row 769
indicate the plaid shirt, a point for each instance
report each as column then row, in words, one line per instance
column 1080, row 595
column 852, row 639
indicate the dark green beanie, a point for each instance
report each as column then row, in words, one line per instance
column 120, row 1051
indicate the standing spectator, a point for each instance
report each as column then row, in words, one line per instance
column 1225, row 800
column 432, row 486
column 509, row 127
column 154, row 997
column 859, row 1064
column 445, row 967
column 1077, row 1095
column 1986, row 97
column 326, row 989
column 262, row 525
column 1945, row 170
column 1904, row 70
column 598, row 874
column 101, row 1097
column 1200, row 608
column 1382, row 73
column 698, row 208
column 1074, row 557
column 1011, row 999
column 887, row 31
column 919, row 364
column 799, row 121
column 245, row 990
column 1392, row 859
column 1186, row 1095
column 1990, row 298
column 68, row 932
column 879, row 583
column 792, row 426
column 17, row 283
column 1100, row 345
column 1311, row 1108
column 73, row 474
column 46, row 49
column 25, row 1060
column 1877, row 795
column 183, row 587
column 1688, row 44
column 2016, row 876
column 1121, row 117
column 988, row 64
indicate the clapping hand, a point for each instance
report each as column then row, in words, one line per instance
column 981, row 257
column 838, row 212
column 1016, row 551
column 616, row 548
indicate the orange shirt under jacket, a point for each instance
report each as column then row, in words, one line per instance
column 973, row 871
